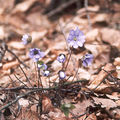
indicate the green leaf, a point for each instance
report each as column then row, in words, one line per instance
column 66, row 108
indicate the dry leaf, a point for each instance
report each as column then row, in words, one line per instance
column 100, row 77
column 27, row 115
column 93, row 35
column 57, row 115
column 16, row 45
column 23, row 7
column 113, row 38
column 6, row 5
column 47, row 105
column 23, row 102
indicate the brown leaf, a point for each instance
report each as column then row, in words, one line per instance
column 57, row 115
column 2, row 116
column 16, row 45
column 107, row 103
column 80, row 107
column 113, row 38
column 92, row 35
column 23, row 102
column 100, row 77
column 28, row 115
column 47, row 105
column 23, row 7
column 6, row 5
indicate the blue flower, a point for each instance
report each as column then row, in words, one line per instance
column 46, row 73
column 76, row 38
column 61, row 58
column 61, row 74
column 36, row 54
column 26, row 39
column 87, row 60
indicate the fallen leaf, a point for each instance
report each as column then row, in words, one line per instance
column 16, row 45
column 23, row 6
column 47, row 105
column 23, row 102
column 100, row 77
column 113, row 38
column 93, row 35
column 28, row 115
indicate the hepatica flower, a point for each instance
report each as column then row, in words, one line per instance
column 61, row 58
column 36, row 54
column 61, row 74
column 76, row 38
column 87, row 60
column 26, row 39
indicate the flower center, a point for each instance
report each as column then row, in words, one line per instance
column 35, row 52
column 75, row 39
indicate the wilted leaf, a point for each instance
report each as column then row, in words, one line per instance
column 100, row 77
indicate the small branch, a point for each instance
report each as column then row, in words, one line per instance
column 63, row 32
column 21, row 62
column 14, row 101
column 40, row 89
column 20, row 81
column 62, row 7
column 68, row 60
column 25, row 75
column 34, row 90
column 88, row 16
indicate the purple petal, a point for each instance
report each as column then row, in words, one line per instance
column 72, row 32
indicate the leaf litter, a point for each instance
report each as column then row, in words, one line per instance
column 94, row 99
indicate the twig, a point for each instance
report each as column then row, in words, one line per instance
column 17, row 98
column 79, row 116
column 25, row 75
column 17, row 58
column 88, row 16
column 62, row 30
column 35, row 90
column 68, row 60
column 20, row 81
column 104, row 80
column 62, row 7
column 39, row 89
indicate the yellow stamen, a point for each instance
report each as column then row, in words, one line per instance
column 75, row 38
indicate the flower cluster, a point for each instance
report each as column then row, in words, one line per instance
column 43, row 67
column 76, row 38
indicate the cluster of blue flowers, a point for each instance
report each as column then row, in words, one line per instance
column 75, row 39
column 36, row 54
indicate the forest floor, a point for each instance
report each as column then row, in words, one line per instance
column 87, row 93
